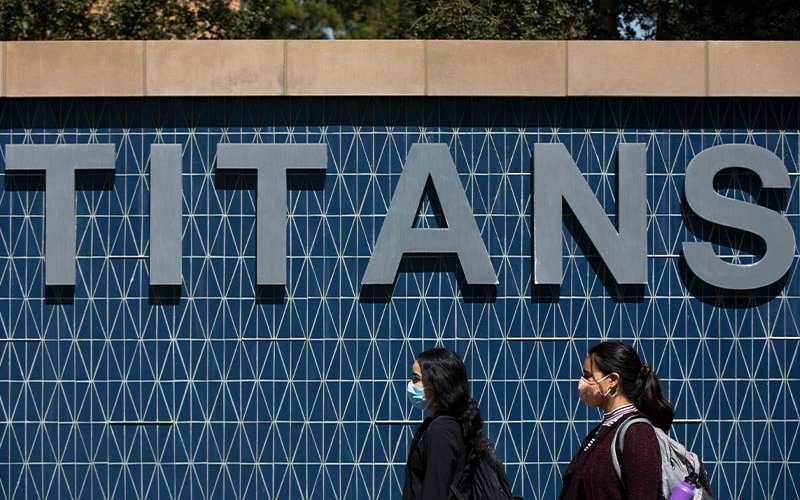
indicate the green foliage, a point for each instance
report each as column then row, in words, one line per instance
column 717, row 20
column 429, row 19
column 483, row 19
column 373, row 19
column 286, row 19
column 145, row 20
column 45, row 20
column 454, row 19
column 216, row 19
column 553, row 19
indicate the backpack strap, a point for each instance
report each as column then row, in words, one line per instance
column 458, row 475
column 618, row 444
column 453, row 488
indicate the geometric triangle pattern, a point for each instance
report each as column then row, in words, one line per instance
column 429, row 213
column 110, row 391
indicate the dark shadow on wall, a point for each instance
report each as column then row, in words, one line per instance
column 94, row 180
column 165, row 295
column 296, row 180
column 282, row 116
column 425, row 265
column 731, row 299
column 728, row 182
column 434, row 208
column 270, row 294
column 59, row 295
column 235, row 179
column 24, row 181
column 305, row 180
column 549, row 294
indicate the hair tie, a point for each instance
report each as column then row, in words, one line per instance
column 644, row 371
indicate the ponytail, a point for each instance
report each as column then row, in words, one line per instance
column 472, row 432
column 651, row 401
column 639, row 383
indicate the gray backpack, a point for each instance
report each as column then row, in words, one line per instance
column 676, row 461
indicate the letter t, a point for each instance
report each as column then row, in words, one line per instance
column 59, row 162
column 271, row 162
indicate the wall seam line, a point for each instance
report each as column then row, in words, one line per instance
column 145, row 90
column 5, row 69
column 425, row 68
column 708, row 71
column 286, row 67
column 566, row 68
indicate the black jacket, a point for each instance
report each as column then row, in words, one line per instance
column 437, row 457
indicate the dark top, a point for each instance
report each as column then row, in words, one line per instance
column 590, row 475
column 436, row 458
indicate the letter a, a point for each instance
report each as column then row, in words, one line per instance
column 398, row 236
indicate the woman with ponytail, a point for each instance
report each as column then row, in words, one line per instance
column 450, row 439
column 617, row 382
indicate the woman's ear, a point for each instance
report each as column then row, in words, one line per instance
column 615, row 380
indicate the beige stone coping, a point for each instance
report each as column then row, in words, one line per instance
column 498, row 68
column 636, row 69
column 399, row 68
column 218, row 67
column 354, row 67
column 48, row 69
column 753, row 68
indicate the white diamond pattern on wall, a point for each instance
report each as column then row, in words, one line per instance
column 221, row 388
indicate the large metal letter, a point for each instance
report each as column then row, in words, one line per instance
column 460, row 237
column 271, row 162
column 59, row 162
column 165, row 214
column 557, row 177
column 771, row 226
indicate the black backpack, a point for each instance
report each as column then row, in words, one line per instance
column 488, row 478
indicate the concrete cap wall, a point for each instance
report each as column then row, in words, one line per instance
column 399, row 68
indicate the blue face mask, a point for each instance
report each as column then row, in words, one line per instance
column 416, row 395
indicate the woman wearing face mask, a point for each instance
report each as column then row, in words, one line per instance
column 618, row 383
column 449, row 438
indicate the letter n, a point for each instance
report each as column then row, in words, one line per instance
column 557, row 179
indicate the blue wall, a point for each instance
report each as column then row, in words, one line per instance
column 133, row 393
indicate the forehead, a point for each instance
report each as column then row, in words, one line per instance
column 416, row 369
column 588, row 366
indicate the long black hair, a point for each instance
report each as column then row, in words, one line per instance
column 639, row 382
column 444, row 372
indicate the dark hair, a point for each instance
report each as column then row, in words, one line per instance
column 639, row 382
column 445, row 374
